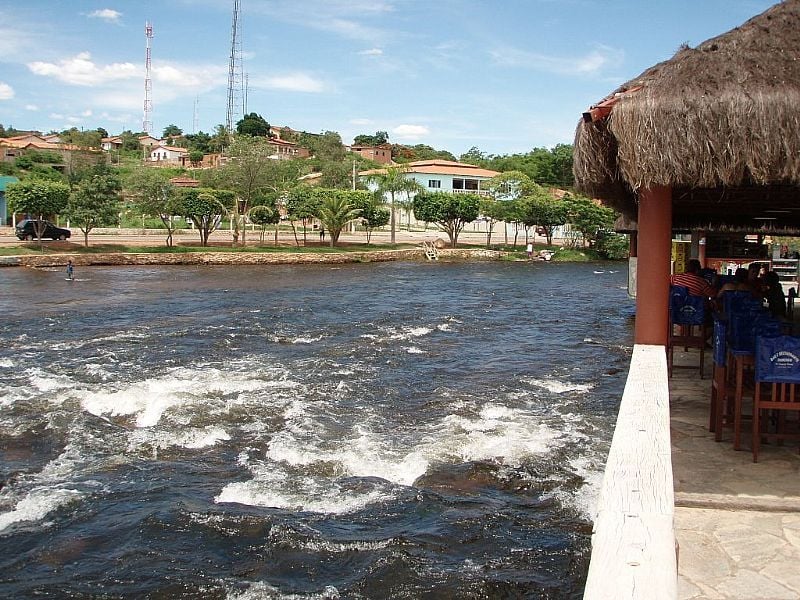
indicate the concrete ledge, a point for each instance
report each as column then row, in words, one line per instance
column 633, row 542
column 240, row 258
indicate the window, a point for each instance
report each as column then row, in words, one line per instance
column 458, row 184
column 434, row 183
column 470, row 184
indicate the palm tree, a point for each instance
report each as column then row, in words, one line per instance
column 393, row 181
column 335, row 212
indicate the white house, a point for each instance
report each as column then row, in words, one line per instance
column 163, row 153
column 444, row 176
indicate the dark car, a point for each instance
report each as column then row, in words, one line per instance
column 25, row 230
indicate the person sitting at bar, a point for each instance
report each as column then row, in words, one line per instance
column 776, row 300
column 740, row 283
column 691, row 280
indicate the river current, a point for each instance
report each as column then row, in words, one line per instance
column 393, row 430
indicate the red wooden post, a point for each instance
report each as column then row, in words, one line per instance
column 653, row 266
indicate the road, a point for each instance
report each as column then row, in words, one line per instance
column 157, row 238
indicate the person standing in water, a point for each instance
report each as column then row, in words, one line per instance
column 70, row 271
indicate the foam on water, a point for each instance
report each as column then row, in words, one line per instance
column 274, row 487
column 122, row 336
column 304, row 468
column 37, row 504
column 48, row 382
column 192, row 438
column 6, row 363
column 559, row 387
column 260, row 590
column 181, row 388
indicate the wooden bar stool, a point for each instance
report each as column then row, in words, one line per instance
column 720, row 411
column 687, row 326
column 777, row 373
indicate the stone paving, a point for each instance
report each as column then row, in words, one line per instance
column 737, row 523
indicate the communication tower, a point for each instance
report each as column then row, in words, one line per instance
column 147, row 121
column 235, row 79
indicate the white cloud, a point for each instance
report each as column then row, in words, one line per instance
column 410, row 132
column 6, row 91
column 360, row 121
column 194, row 77
column 81, row 70
column 107, row 14
column 592, row 63
column 372, row 52
column 31, row 107
column 295, row 82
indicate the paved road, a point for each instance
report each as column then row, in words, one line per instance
column 155, row 238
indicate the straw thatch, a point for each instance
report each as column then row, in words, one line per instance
column 719, row 123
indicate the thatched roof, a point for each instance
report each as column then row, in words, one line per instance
column 719, row 123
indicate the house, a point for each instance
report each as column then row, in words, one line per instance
column 444, row 176
column 4, row 181
column 148, row 141
column 111, row 143
column 285, row 150
column 380, row 154
column 170, row 154
column 13, row 147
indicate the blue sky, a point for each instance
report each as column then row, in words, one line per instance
column 503, row 75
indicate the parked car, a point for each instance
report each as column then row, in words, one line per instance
column 25, row 230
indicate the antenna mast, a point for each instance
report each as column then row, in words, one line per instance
column 234, row 68
column 147, row 121
column 195, row 119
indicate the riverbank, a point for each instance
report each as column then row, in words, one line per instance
column 241, row 258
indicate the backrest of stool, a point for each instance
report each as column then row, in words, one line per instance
column 685, row 309
column 777, row 359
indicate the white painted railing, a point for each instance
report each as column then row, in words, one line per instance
column 478, row 192
column 633, row 543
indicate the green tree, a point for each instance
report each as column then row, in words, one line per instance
column 95, row 201
column 220, row 139
column 504, row 188
column 373, row 213
column 246, row 173
column 253, row 124
column 473, row 156
column 335, row 211
column 393, row 181
column 154, row 195
column 37, row 198
column 324, row 147
column 205, row 207
column 451, row 212
column 130, row 141
column 380, row 138
column 198, row 142
column 302, row 203
column 195, row 157
column 541, row 209
column 171, row 130
column 587, row 217
column 266, row 212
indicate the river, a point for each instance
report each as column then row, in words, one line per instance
column 392, row 430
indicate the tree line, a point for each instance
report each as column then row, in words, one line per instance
column 251, row 188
